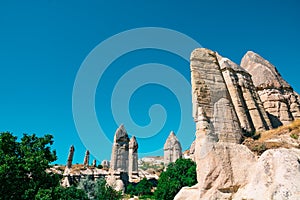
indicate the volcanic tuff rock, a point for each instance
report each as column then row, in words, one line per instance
column 86, row 159
column 172, row 149
column 124, row 156
column 225, row 168
column 120, row 150
column 275, row 176
column 133, row 158
column 279, row 99
column 245, row 99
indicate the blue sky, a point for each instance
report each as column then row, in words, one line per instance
column 43, row 44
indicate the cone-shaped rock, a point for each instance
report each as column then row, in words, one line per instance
column 172, row 149
column 133, row 157
column 279, row 100
column 120, row 150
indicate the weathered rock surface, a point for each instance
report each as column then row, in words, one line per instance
column 172, row 149
column 133, row 158
column 120, row 150
column 70, row 157
column 275, row 176
column 105, row 164
column 279, row 100
column 86, row 159
column 225, row 168
column 124, row 156
column 115, row 183
column 246, row 101
column 213, row 111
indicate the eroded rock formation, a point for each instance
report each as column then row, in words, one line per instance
column 133, row 158
column 120, row 150
column 248, row 106
column 225, row 168
column 86, row 158
column 124, row 157
column 70, row 157
column 172, row 149
column 279, row 99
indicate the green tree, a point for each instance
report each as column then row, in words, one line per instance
column 179, row 174
column 88, row 186
column 61, row 193
column 106, row 192
column 23, row 165
column 98, row 190
column 141, row 188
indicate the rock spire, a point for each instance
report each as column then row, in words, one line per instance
column 86, row 158
column 172, row 149
column 280, row 101
column 133, row 157
column 70, row 157
column 124, row 157
column 120, row 150
column 246, row 101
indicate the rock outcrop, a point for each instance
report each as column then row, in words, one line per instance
column 124, row 156
column 133, row 158
column 120, row 150
column 275, row 176
column 279, row 99
column 86, row 159
column 94, row 164
column 70, row 157
column 246, row 101
column 213, row 111
column 105, row 164
column 227, row 169
column 172, row 149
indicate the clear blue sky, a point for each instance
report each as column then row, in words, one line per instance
column 43, row 44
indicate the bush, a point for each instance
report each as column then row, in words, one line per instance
column 23, row 166
column 98, row 189
column 179, row 174
column 144, row 187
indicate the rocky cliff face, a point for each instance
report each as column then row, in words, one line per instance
column 279, row 99
column 225, row 102
column 245, row 99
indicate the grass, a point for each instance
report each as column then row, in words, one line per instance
column 262, row 141
column 292, row 128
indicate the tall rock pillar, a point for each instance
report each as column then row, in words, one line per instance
column 133, row 158
column 172, row 149
column 120, row 150
column 86, row 158
column 70, row 157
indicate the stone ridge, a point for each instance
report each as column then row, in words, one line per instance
column 281, row 103
column 213, row 112
column 224, row 97
column 264, row 74
column 246, row 101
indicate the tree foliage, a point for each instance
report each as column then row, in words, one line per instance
column 61, row 193
column 179, row 174
column 23, row 165
column 98, row 190
column 142, row 188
